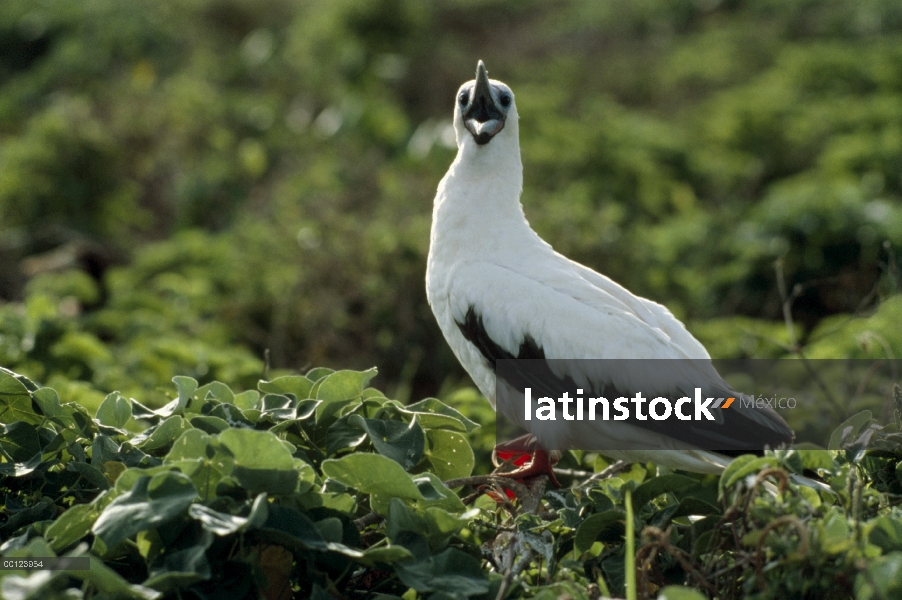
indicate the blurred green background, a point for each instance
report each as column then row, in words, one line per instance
column 192, row 187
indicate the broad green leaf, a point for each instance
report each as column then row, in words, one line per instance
column 318, row 373
column 402, row 442
column 247, row 399
column 294, row 529
column 71, row 526
column 339, row 388
column 219, row 523
column 848, row 430
column 211, row 425
column 435, row 414
column 886, row 532
column 91, row 473
column 446, row 500
column 277, row 406
column 450, row 454
column 342, row 434
column 262, row 462
column 662, row 484
column 162, row 435
column 197, row 455
column 385, row 554
column 186, row 387
column 609, row 523
column 743, row 466
column 372, row 474
column 48, row 402
column 452, row 572
column 694, row 506
column 15, row 400
column 217, row 390
column 151, row 502
column 298, row 385
column 114, row 411
column 20, row 441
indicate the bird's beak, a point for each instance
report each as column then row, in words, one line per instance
column 483, row 118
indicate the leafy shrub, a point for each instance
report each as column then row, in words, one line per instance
column 318, row 485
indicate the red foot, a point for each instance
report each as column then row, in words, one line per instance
column 539, row 465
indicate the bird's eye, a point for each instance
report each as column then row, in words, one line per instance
column 505, row 100
column 463, row 98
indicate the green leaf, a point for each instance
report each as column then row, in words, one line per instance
column 48, row 402
column 200, row 457
column 662, row 484
column 886, row 532
column 20, row 441
column 247, row 399
column 372, row 474
column 402, row 442
column 342, row 434
column 385, row 554
column 15, row 400
column 609, row 524
column 151, row 502
column 71, row 526
column 836, row 533
column 219, row 523
column 114, row 411
column 162, row 435
column 675, row 592
column 318, row 373
column 849, row 429
column 694, row 506
column 262, row 462
column 339, row 388
column 278, row 406
column 211, row 425
column 94, row 475
column 186, row 387
column 109, row 582
column 744, row 466
column 882, row 578
column 217, row 390
column 298, row 385
column 453, row 572
column 435, row 414
column 449, row 454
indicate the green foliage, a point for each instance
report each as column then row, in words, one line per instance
column 163, row 506
column 266, row 169
column 215, row 193
column 319, row 484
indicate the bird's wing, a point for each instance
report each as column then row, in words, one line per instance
column 651, row 312
column 557, row 313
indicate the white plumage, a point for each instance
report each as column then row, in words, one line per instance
column 488, row 270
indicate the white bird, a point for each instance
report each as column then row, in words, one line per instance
column 499, row 291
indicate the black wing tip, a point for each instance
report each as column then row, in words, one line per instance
column 474, row 331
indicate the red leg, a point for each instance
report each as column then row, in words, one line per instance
column 539, row 465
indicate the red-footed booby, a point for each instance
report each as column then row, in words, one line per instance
column 499, row 291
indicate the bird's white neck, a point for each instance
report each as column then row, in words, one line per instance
column 479, row 197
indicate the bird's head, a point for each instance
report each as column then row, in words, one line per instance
column 484, row 111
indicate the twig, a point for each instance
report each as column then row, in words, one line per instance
column 661, row 539
column 778, row 522
column 477, row 480
column 606, row 472
column 793, row 342
column 367, row 520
